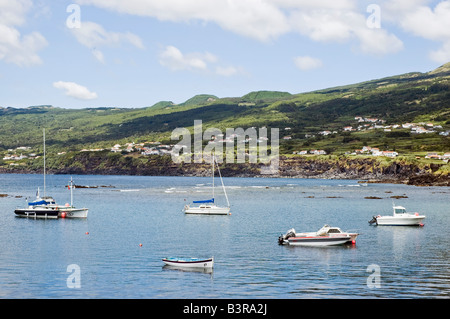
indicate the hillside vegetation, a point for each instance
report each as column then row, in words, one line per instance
column 422, row 98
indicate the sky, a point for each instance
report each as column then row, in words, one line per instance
column 135, row 53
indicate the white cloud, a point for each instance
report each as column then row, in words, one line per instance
column 324, row 25
column 14, row 47
column 227, row 71
column 340, row 21
column 441, row 55
column 307, row 63
column 257, row 19
column 174, row 59
column 75, row 90
column 94, row 36
column 424, row 21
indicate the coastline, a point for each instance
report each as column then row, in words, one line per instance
column 366, row 170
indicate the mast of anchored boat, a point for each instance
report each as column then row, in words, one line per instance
column 223, row 186
column 44, row 159
column 71, row 191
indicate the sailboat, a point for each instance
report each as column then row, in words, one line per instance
column 208, row 207
column 47, row 208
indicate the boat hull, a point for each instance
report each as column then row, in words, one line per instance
column 207, row 210
column 400, row 221
column 52, row 212
column 189, row 263
column 37, row 213
column 73, row 213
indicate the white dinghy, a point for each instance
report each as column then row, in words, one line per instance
column 189, row 262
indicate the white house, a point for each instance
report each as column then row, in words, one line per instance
column 390, row 153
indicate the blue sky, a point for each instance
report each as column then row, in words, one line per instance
column 134, row 53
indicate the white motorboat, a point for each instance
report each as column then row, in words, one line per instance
column 399, row 218
column 326, row 236
column 208, row 207
column 70, row 211
column 189, row 262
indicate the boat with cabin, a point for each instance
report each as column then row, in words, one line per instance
column 326, row 236
column 46, row 207
column 41, row 207
column 399, row 218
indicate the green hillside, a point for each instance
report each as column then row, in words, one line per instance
column 408, row 98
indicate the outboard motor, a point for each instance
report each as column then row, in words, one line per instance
column 282, row 238
column 373, row 220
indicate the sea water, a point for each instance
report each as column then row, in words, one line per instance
column 135, row 221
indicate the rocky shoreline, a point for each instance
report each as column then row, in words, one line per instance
column 369, row 170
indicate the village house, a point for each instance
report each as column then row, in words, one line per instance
column 318, row 152
column 433, row 155
column 390, row 153
column 116, row 148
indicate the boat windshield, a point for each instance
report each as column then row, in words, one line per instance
column 399, row 210
column 333, row 230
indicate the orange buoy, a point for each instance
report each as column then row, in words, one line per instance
column 140, row 245
column 87, row 233
column 63, row 214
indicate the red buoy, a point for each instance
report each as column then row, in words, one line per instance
column 63, row 214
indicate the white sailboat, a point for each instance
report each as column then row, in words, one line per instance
column 208, row 207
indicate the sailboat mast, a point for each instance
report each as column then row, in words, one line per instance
column 44, row 159
column 71, row 192
column 223, row 186
column 212, row 166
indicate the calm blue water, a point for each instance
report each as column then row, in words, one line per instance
column 35, row 254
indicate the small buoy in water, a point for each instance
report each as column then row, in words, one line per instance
column 230, row 213
column 63, row 215
column 353, row 242
column 87, row 233
column 421, row 225
column 140, row 245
